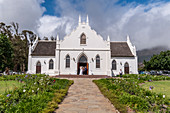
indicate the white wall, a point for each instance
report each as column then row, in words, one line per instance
column 120, row 61
column 92, row 63
column 93, row 40
column 44, row 64
column 95, row 45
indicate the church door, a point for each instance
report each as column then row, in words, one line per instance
column 82, row 62
column 38, row 67
column 126, row 67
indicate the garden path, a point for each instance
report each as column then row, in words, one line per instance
column 85, row 97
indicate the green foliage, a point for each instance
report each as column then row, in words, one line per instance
column 20, row 43
column 158, row 87
column 110, row 94
column 6, row 52
column 9, row 85
column 127, row 92
column 159, row 62
column 39, row 93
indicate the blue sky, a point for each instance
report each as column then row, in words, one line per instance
column 146, row 21
column 51, row 5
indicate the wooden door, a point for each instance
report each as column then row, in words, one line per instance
column 78, row 69
column 87, row 65
column 38, row 67
column 126, row 68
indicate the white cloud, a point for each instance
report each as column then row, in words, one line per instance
column 147, row 25
column 24, row 12
column 52, row 25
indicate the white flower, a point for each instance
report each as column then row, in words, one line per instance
column 34, row 83
column 37, row 89
column 163, row 96
column 146, row 96
column 32, row 90
column 156, row 95
column 24, row 90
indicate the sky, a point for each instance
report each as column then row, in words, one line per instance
column 147, row 22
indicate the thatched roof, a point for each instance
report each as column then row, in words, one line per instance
column 120, row 49
column 45, row 48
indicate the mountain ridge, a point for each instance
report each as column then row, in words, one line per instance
column 146, row 54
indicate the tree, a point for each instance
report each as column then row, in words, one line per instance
column 6, row 30
column 159, row 62
column 20, row 43
column 6, row 52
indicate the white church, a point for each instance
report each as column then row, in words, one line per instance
column 83, row 47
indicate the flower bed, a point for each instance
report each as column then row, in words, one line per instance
column 127, row 92
column 143, row 78
column 40, row 93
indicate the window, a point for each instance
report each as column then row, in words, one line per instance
column 67, row 61
column 51, row 64
column 83, row 39
column 97, row 61
column 113, row 65
column 83, row 59
column 126, row 68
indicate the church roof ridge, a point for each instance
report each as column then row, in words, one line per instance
column 46, row 40
column 118, row 42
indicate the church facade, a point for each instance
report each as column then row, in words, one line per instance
column 83, row 47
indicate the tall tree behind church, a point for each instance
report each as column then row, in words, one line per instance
column 20, row 44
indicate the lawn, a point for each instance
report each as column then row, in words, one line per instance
column 8, row 85
column 159, row 87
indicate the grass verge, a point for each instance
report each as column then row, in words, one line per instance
column 9, row 85
column 111, row 96
column 158, row 87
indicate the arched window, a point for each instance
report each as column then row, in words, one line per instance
column 67, row 61
column 38, row 67
column 113, row 65
column 83, row 39
column 83, row 59
column 97, row 61
column 126, row 68
column 51, row 64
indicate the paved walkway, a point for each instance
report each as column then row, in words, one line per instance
column 85, row 97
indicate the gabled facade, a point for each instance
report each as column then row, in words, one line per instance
column 83, row 47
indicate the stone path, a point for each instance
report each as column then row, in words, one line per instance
column 85, row 97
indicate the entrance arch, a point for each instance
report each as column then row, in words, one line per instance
column 38, row 67
column 82, row 61
column 126, row 66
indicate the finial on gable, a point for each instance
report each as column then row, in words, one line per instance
column 87, row 20
column 108, row 38
column 128, row 39
column 79, row 19
column 57, row 37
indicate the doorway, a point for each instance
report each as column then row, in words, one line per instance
column 83, row 62
column 38, row 67
column 126, row 68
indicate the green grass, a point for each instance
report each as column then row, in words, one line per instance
column 8, row 85
column 159, row 87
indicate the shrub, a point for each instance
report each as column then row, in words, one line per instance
column 127, row 92
column 39, row 93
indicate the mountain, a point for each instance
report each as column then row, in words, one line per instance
column 146, row 54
